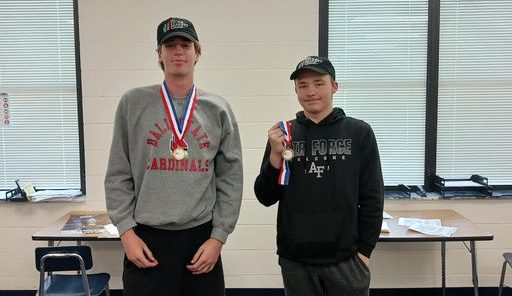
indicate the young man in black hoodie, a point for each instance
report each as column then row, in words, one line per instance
column 327, row 179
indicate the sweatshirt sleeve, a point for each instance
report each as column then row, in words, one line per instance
column 119, row 186
column 228, row 179
column 266, row 187
column 371, row 195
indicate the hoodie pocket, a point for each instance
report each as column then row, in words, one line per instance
column 315, row 235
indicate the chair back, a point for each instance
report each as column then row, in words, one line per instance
column 508, row 260
column 65, row 258
column 51, row 260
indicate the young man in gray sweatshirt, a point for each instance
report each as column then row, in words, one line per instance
column 174, row 179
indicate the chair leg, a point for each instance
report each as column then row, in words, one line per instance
column 502, row 279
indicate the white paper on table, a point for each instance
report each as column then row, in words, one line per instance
column 410, row 221
column 386, row 215
column 384, row 227
column 433, row 229
column 464, row 183
column 112, row 230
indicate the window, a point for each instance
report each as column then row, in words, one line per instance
column 381, row 54
column 475, row 90
column 41, row 142
column 379, row 51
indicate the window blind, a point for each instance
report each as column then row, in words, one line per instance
column 475, row 90
column 379, row 50
column 37, row 72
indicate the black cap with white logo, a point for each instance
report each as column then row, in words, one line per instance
column 174, row 26
column 320, row 65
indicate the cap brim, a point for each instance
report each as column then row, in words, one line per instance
column 312, row 68
column 174, row 34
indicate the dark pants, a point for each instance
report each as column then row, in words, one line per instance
column 173, row 249
column 347, row 278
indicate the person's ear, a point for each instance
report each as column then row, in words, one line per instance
column 159, row 52
column 334, row 86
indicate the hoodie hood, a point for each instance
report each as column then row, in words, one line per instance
column 336, row 115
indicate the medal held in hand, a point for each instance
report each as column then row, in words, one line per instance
column 287, row 154
column 178, row 146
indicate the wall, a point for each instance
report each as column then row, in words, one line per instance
column 249, row 50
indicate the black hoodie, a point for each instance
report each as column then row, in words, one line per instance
column 332, row 206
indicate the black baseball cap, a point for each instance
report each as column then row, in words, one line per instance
column 175, row 26
column 320, row 65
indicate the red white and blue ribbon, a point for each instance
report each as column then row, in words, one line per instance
column 284, row 174
column 179, row 128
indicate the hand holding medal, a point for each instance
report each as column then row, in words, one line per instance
column 287, row 154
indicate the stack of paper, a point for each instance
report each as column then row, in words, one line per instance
column 43, row 195
column 433, row 229
column 427, row 226
column 411, row 221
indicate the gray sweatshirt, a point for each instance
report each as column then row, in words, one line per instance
column 144, row 184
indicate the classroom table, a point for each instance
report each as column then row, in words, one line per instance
column 52, row 232
column 466, row 232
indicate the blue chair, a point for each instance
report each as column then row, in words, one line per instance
column 69, row 258
column 508, row 260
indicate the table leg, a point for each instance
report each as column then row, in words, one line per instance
column 473, row 266
column 443, row 267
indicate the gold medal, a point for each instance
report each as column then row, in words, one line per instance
column 179, row 153
column 287, row 154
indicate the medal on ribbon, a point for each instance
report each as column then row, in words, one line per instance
column 287, row 154
column 177, row 152
column 177, row 145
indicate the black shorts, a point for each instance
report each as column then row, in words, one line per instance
column 173, row 249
